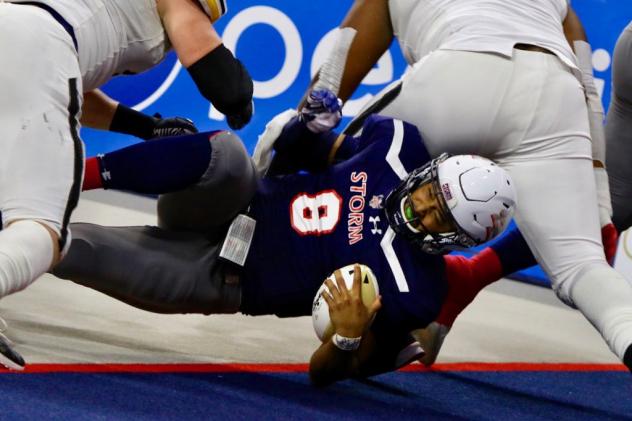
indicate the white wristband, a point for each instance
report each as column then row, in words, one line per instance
column 346, row 344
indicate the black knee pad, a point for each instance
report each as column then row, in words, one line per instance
column 225, row 189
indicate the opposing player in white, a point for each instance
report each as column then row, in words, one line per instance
column 54, row 50
column 498, row 78
column 619, row 131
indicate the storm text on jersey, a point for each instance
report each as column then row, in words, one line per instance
column 355, row 219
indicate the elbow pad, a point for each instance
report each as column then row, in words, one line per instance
column 224, row 81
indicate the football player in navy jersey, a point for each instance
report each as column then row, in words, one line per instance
column 382, row 203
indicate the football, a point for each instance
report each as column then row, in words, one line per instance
column 320, row 309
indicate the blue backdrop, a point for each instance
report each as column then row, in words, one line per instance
column 282, row 43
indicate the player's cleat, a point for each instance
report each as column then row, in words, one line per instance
column 627, row 358
column 8, row 356
column 431, row 339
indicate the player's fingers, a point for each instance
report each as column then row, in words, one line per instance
column 342, row 287
column 333, row 289
column 375, row 305
column 357, row 280
column 328, row 298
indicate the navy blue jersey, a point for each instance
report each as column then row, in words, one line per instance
column 317, row 223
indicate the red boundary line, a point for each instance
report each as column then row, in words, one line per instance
column 302, row 368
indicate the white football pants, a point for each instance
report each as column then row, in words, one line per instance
column 41, row 164
column 528, row 114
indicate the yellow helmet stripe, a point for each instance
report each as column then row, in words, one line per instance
column 214, row 8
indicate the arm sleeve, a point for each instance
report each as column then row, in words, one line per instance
column 297, row 148
column 513, row 252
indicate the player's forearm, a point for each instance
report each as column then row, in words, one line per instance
column 371, row 20
column 98, row 110
column 330, row 364
column 101, row 112
column 297, row 148
column 573, row 28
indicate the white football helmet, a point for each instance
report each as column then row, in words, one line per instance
column 475, row 194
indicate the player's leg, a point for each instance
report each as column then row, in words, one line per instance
column 225, row 189
column 160, row 166
column 466, row 277
column 40, row 180
column 619, row 132
column 151, row 268
column 205, row 179
column 557, row 211
column 42, row 160
column 561, row 227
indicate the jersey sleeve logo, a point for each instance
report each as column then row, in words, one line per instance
column 376, row 202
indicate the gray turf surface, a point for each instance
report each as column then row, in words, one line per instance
column 56, row 321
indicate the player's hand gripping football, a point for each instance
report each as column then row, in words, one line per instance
column 348, row 314
column 322, row 111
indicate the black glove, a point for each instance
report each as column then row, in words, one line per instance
column 172, row 126
column 129, row 121
column 239, row 119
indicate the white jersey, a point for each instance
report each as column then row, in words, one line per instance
column 423, row 26
column 113, row 36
